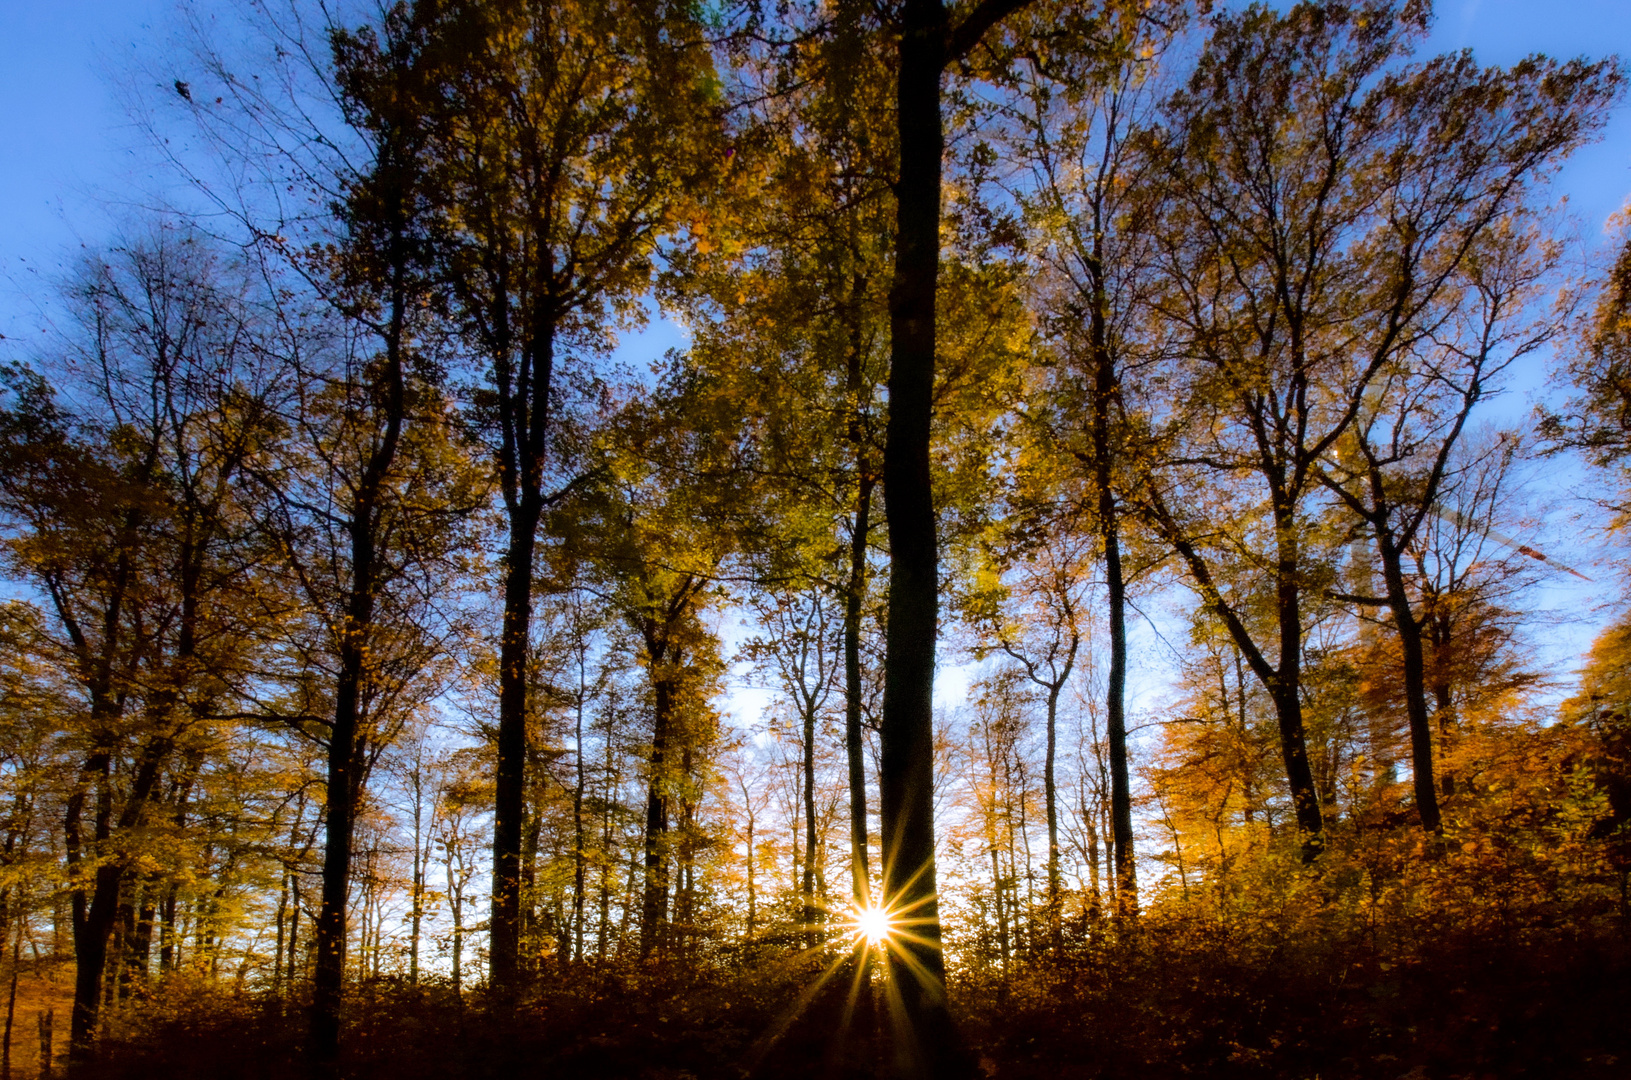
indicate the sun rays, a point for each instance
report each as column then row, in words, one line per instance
column 886, row 938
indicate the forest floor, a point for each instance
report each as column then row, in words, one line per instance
column 1174, row 1006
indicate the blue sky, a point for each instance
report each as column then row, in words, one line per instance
column 69, row 148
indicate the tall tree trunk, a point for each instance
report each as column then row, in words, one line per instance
column 524, row 402
column 578, row 844
column 753, row 896
column 930, row 1046
column 344, row 760
column 855, row 601
column 854, row 744
column 1121, row 797
column 654, row 902
column 94, row 916
column 11, row 1002
column 807, row 885
column 1284, row 683
column 1415, row 683
column 1104, row 400
column 1286, row 687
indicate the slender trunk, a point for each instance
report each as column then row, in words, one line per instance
column 141, row 940
column 294, row 925
column 416, row 883
column 1104, row 402
column 344, row 762
column 807, row 889
column 1023, row 835
column 685, row 861
column 1411, row 651
column 1107, row 830
column 1050, row 797
column 455, row 896
column 1121, row 797
column 1284, row 683
column 11, row 1002
column 603, row 932
column 1095, row 904
column 854, row 606
column 1001, row 903
column 282, row 919
column 168, row 955
column 578, row 830
column 753, row 896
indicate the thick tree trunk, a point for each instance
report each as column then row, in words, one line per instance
column 929, row 1046
column 509, row 779
column 654, row 902
column 93, row 923
column 94, row 916
column 525, row 403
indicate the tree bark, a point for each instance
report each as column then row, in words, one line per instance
column 854, row 745
column 654, row 902
column 524, row 390
column 344, row 760
column 807, row 886
column 1414, row 660
column 929, row 1046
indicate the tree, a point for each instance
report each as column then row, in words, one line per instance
column 654, row 532
column 124, row 514
column 1400, row 455
column 1041, row 628
column 926, row 41
column 799, row 292
column 1307, row 257
column 1089, row 193
column 567, row 138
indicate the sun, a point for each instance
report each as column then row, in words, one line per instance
column 872, row 924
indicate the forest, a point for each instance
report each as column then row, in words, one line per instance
column 706, row 538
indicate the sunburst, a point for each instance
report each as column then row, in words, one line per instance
column 872, row 925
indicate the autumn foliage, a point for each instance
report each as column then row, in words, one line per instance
column 1058, row 602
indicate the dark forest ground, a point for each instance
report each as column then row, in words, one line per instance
column 1165, row 1004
